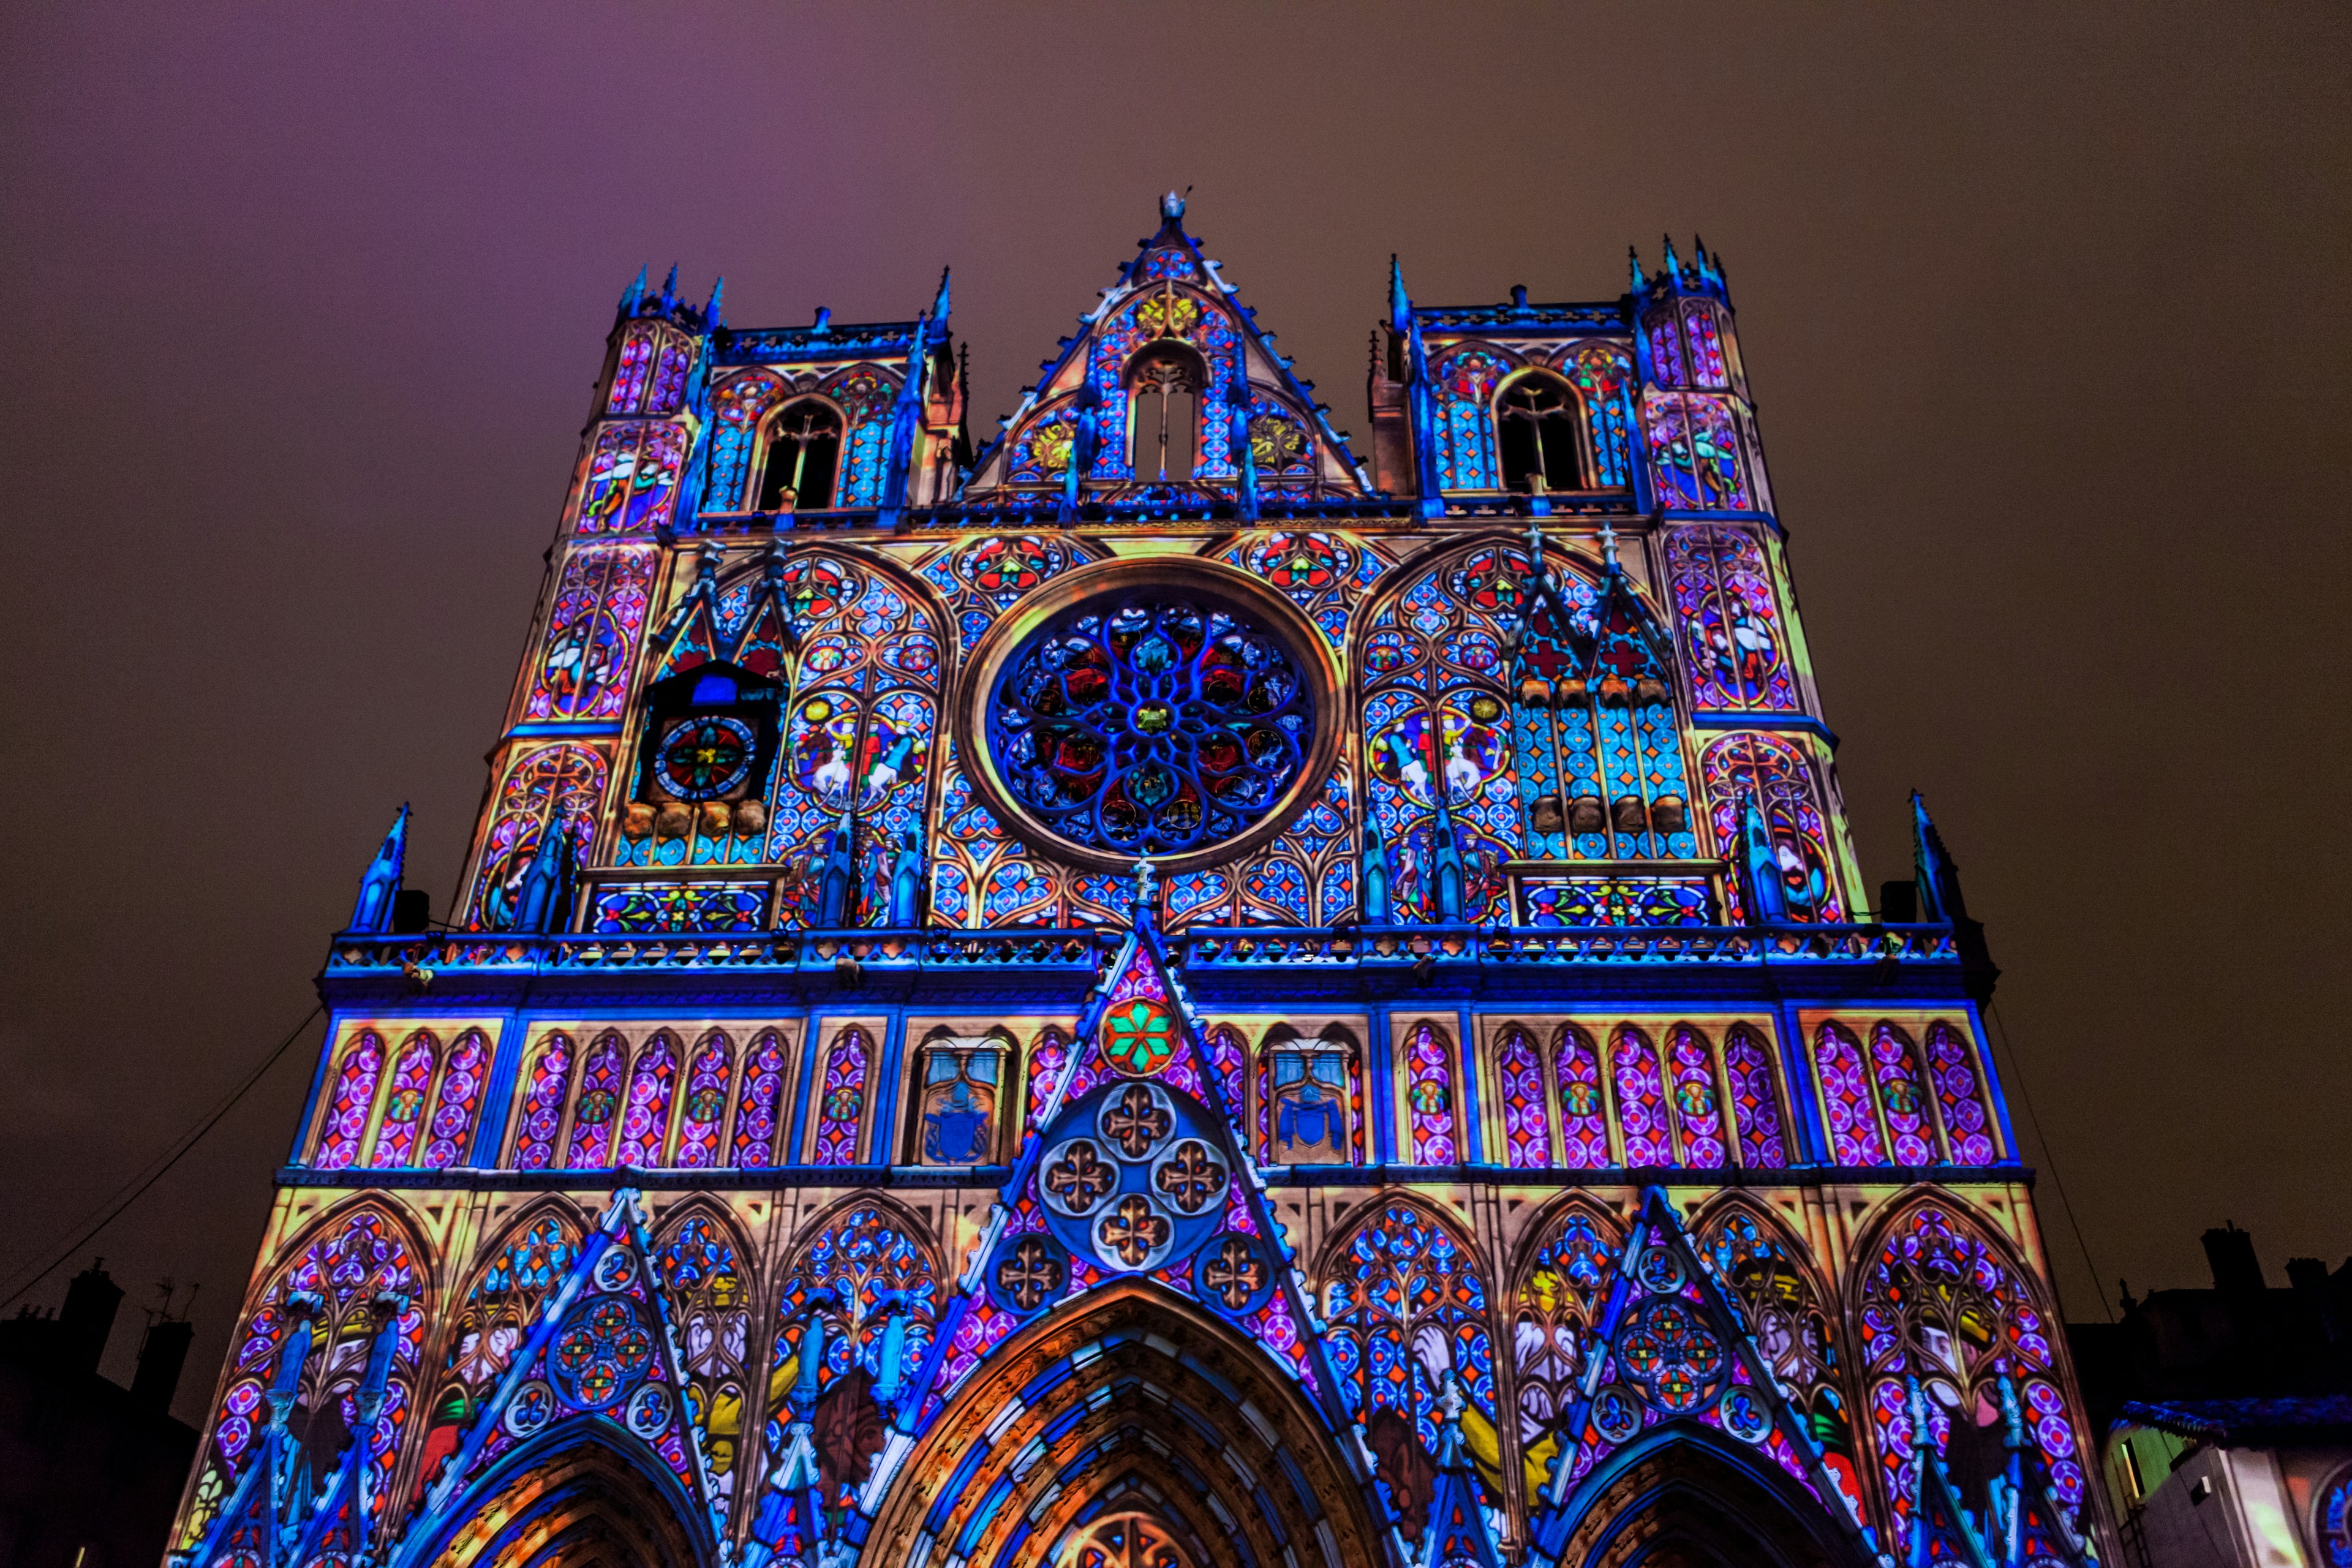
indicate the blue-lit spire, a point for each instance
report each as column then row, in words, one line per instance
column 1400, row 302
column 710, row 318
column 669, row 289
column 939, row 303
column 1671, row 268
column 633, row 293
column 380, row 885
column 1634, row 259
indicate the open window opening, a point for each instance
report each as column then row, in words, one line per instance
column 803, row 452
column 1164, row 387
column 1536, row 431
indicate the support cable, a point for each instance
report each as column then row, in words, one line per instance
column 2049, row 1155
column 82, row 1232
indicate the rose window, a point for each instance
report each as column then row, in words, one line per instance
column 1150, row 724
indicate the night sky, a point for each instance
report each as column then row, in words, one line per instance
column 2046, row 313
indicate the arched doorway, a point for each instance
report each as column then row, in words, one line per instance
column 575, row 1497
column 1683, row 1499
column 1128, row 1422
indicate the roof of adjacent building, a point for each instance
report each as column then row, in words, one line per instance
column 2279, row 1422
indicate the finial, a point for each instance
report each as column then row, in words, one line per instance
column 939, row 303
column 669, row 289
column 1634, row 259
column 1172, row 206
column 1399, row 304
column 1146, row 889
column 634, row 292
column 1671, row 266
column 1608, row 545
column 823, row 318
column 710, row 309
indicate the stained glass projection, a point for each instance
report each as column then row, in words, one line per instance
column 404, row 1105
column 1854, row 1137
column 867, row 1260
column 1553, row 1314
column 760, row 1103
column 632, row 471
column 1428, row 1096
column 592, row 634
column 1746, row 764
column 1765, row 1274
column 546, row 1091
column 1527, row 1121
column 350, row 1102
column 1942, row 1304
column 710, row 1308
column 737, row 409
column 1603, row 376
column 841, row 1100
column 1700, row 1136
column 1895, row 1066
column 1751, row 1067
column 1695, row 456
column 525, row 1271
column 1310, row 1100
column 1641, row 1098
column 1148, row 725
column 1732, row 640
column 559, row 782
column 598, row 1105
column 346, row 1266
column 1406, row 1308
column 645, row 1117
column 1583, row 1108
column 1967, row 1127
column 702, row 1115
column 456, row 1101
column 1465, row 380
column 650, row 376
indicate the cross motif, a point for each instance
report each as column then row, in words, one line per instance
column 1608, row 544
column 1190, row 1178
column 1144, row 886
column 1132, row 1231
column 1030, row 1274
column 1136, row 1122
column 1235, row 1273
column 1079, row 1178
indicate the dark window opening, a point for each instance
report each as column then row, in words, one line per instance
column 1538, row 434
column 803, row 450
column 1165, row 385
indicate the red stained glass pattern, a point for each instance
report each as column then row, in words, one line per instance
column 1405, row 1306
column 702, row 1118
column 597, row 1107
column 353, row 1098
column 1428, row 1096
column 1845, row 1097
column 1895, row 1064
column 1045, row 1065
column 1526, row 1122
column 1698, row 1105
column 1229, row 1056
column 1583, row 1111
column 1958, row 1090
column 841, row 1100
column 542, row 1109
column 403, row 1107
column 644, row 1121
column 1755, row 1100
column 1732, row 641
column 758, row 1101
column 456, row 1101
column 1641, row 1099
column 1707, row 366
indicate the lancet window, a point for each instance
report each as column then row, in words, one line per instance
column 957, row 1098
column 702, row 1112
column 547, row 1090
column 759, row 1103
column 803, row 452
column 650, row 374
column 353, row 1268
column 592, row 634
column 1539, row 414
column 1941, row 1304
column 1746, row 765
column 1766, row 1274
column 350, row 1101
column 645, row 1117
column 560, row 783
column 1310, row 1100
column 1164, row 386
column 842, row 1094
column 1048, row 1059
column 632, row 471
column 1428, row 1096
column 863, row 1266
column 1732, row 635
column 597, row 1107
column 1406, row 1312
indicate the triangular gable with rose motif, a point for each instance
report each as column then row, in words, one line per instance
column 1672, row 1345
column 603, row 1349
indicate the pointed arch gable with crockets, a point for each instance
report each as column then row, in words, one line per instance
column 1671, row 1351
column 698, row 1259
column 1563, row 1280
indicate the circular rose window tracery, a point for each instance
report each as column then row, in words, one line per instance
column 1151, row 723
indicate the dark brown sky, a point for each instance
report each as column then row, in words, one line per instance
column 2045, row 310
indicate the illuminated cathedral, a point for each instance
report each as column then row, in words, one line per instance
column 1159, row 990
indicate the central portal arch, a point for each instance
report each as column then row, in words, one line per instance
column 1129, row 1417
column 1683, row 1499
column 583, row 1494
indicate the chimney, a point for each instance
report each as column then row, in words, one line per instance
column 2236, row 1269
column 88, row 1320
column 2307, row 1273
column 160, row 1358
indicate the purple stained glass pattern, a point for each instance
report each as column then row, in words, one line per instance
column 633, row 472
column 1695, row 452
column 1641, row 1099
column 1895, row 1066
column 1404, row 1306
column 1845, row 1097
column 542, row 1109
column 1526, row 1124
column 757, row 1102
column 1943, row 1304
column 1583, row 1111
column 1659, row 331
column 1747, row 764
column 1045, row 1067
column 1428, row 1096
column 1732, row 640
column 350, row 1101
column 650, row 376
column 1698, row 1105
column 405, row 1103
column 702, row 1117
column 1748, row 1062
column 1706, row 342
column 644, row 1120
column 592, row 634
column 456, row 1101
column 596, row 1109
column 841, row 1100
column 1961, row 1094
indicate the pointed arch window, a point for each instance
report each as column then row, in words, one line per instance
column 1749, row 764
column 757, row 1108
column 1777, row 1289
column 1164, row 385
column 528, row 1266
column 1959, row 1095
column 1554, row 1315
column 549, row 1086
column 1405, row 1309
column 856, row 1265
column 1428, row 1096
column 841, row 1100
column 457, row 1100
column 1584, row 1108
column 644, row 1120
column 1047, row 1058
column 1310, row 1100
column 1526, row 1115
column 404, row 1106
column 352, row 1101
column 1748, row 1066
column 710, row 1305
column 955, row 1112
column 1641, row 1098
column 803, row 456
column 1537, row 416
column 598, row 1105
column 702, row 1117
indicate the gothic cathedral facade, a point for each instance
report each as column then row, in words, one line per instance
column 1159, row 991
